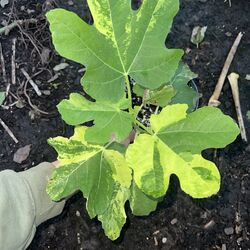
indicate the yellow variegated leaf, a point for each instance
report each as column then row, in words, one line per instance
column 175, row 148
column 101, row 173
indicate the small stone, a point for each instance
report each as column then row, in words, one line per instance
column 70, row 3
column 174, row 221
column 78, row 213
column 164, row 240
column 229, row 231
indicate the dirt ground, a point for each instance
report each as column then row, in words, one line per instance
column 180, row 222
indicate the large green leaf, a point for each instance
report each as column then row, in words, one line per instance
column 101, row 173
column 111, row 123
column 175, row 147
column 121, row 42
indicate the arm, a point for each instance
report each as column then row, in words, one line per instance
column 24, row 204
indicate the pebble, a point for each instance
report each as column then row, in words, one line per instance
column 174, row 221
column 229, row 231
column 164, row 240
column 70, row 3
column 78, row 213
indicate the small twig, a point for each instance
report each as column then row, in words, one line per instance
column 6, row 29
column 214, row 99
column 13, row 62
column 233, row 79
column 32, row 83
column 3, row 64
column 30, row 103
column 8, row 131
column 7, row 90
column 31, row 40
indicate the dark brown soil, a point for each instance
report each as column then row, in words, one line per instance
column 184, row 223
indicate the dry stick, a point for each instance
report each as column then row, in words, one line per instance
column 214, row 99
column 6, row 29
column 13, row 62
column 233, row 79
column 3, row 64
column 32, row 83
column 8, row 131
column 30, row 103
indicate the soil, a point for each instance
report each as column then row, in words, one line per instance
column 180, row 222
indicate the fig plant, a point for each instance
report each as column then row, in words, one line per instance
column 123, row 50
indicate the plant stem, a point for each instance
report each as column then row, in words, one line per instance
column 131, row 107
column 144, row 127
column 129, row 92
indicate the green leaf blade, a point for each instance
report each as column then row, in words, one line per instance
column 205, row 128
column 175, row 147
column 114, row 217
column 131, row 37
column 202, row 180
column 110, row 121
column 140, row 203
column 100, row 173
column 185, row 94
column 145, row 162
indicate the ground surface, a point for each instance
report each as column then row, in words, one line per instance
column 221, row 222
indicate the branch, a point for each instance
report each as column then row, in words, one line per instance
column 6, row 29
column 233, row 79
column 214, row 99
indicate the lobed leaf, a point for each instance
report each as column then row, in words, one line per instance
column 135, row 39
column 175, row 147
column 101, row 173
column 109, row 119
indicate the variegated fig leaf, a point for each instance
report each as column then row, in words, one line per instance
column 101, row 173
column 122, row 42
column 175, row 148
column 110, row 121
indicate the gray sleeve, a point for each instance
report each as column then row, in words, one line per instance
column 24, row 204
